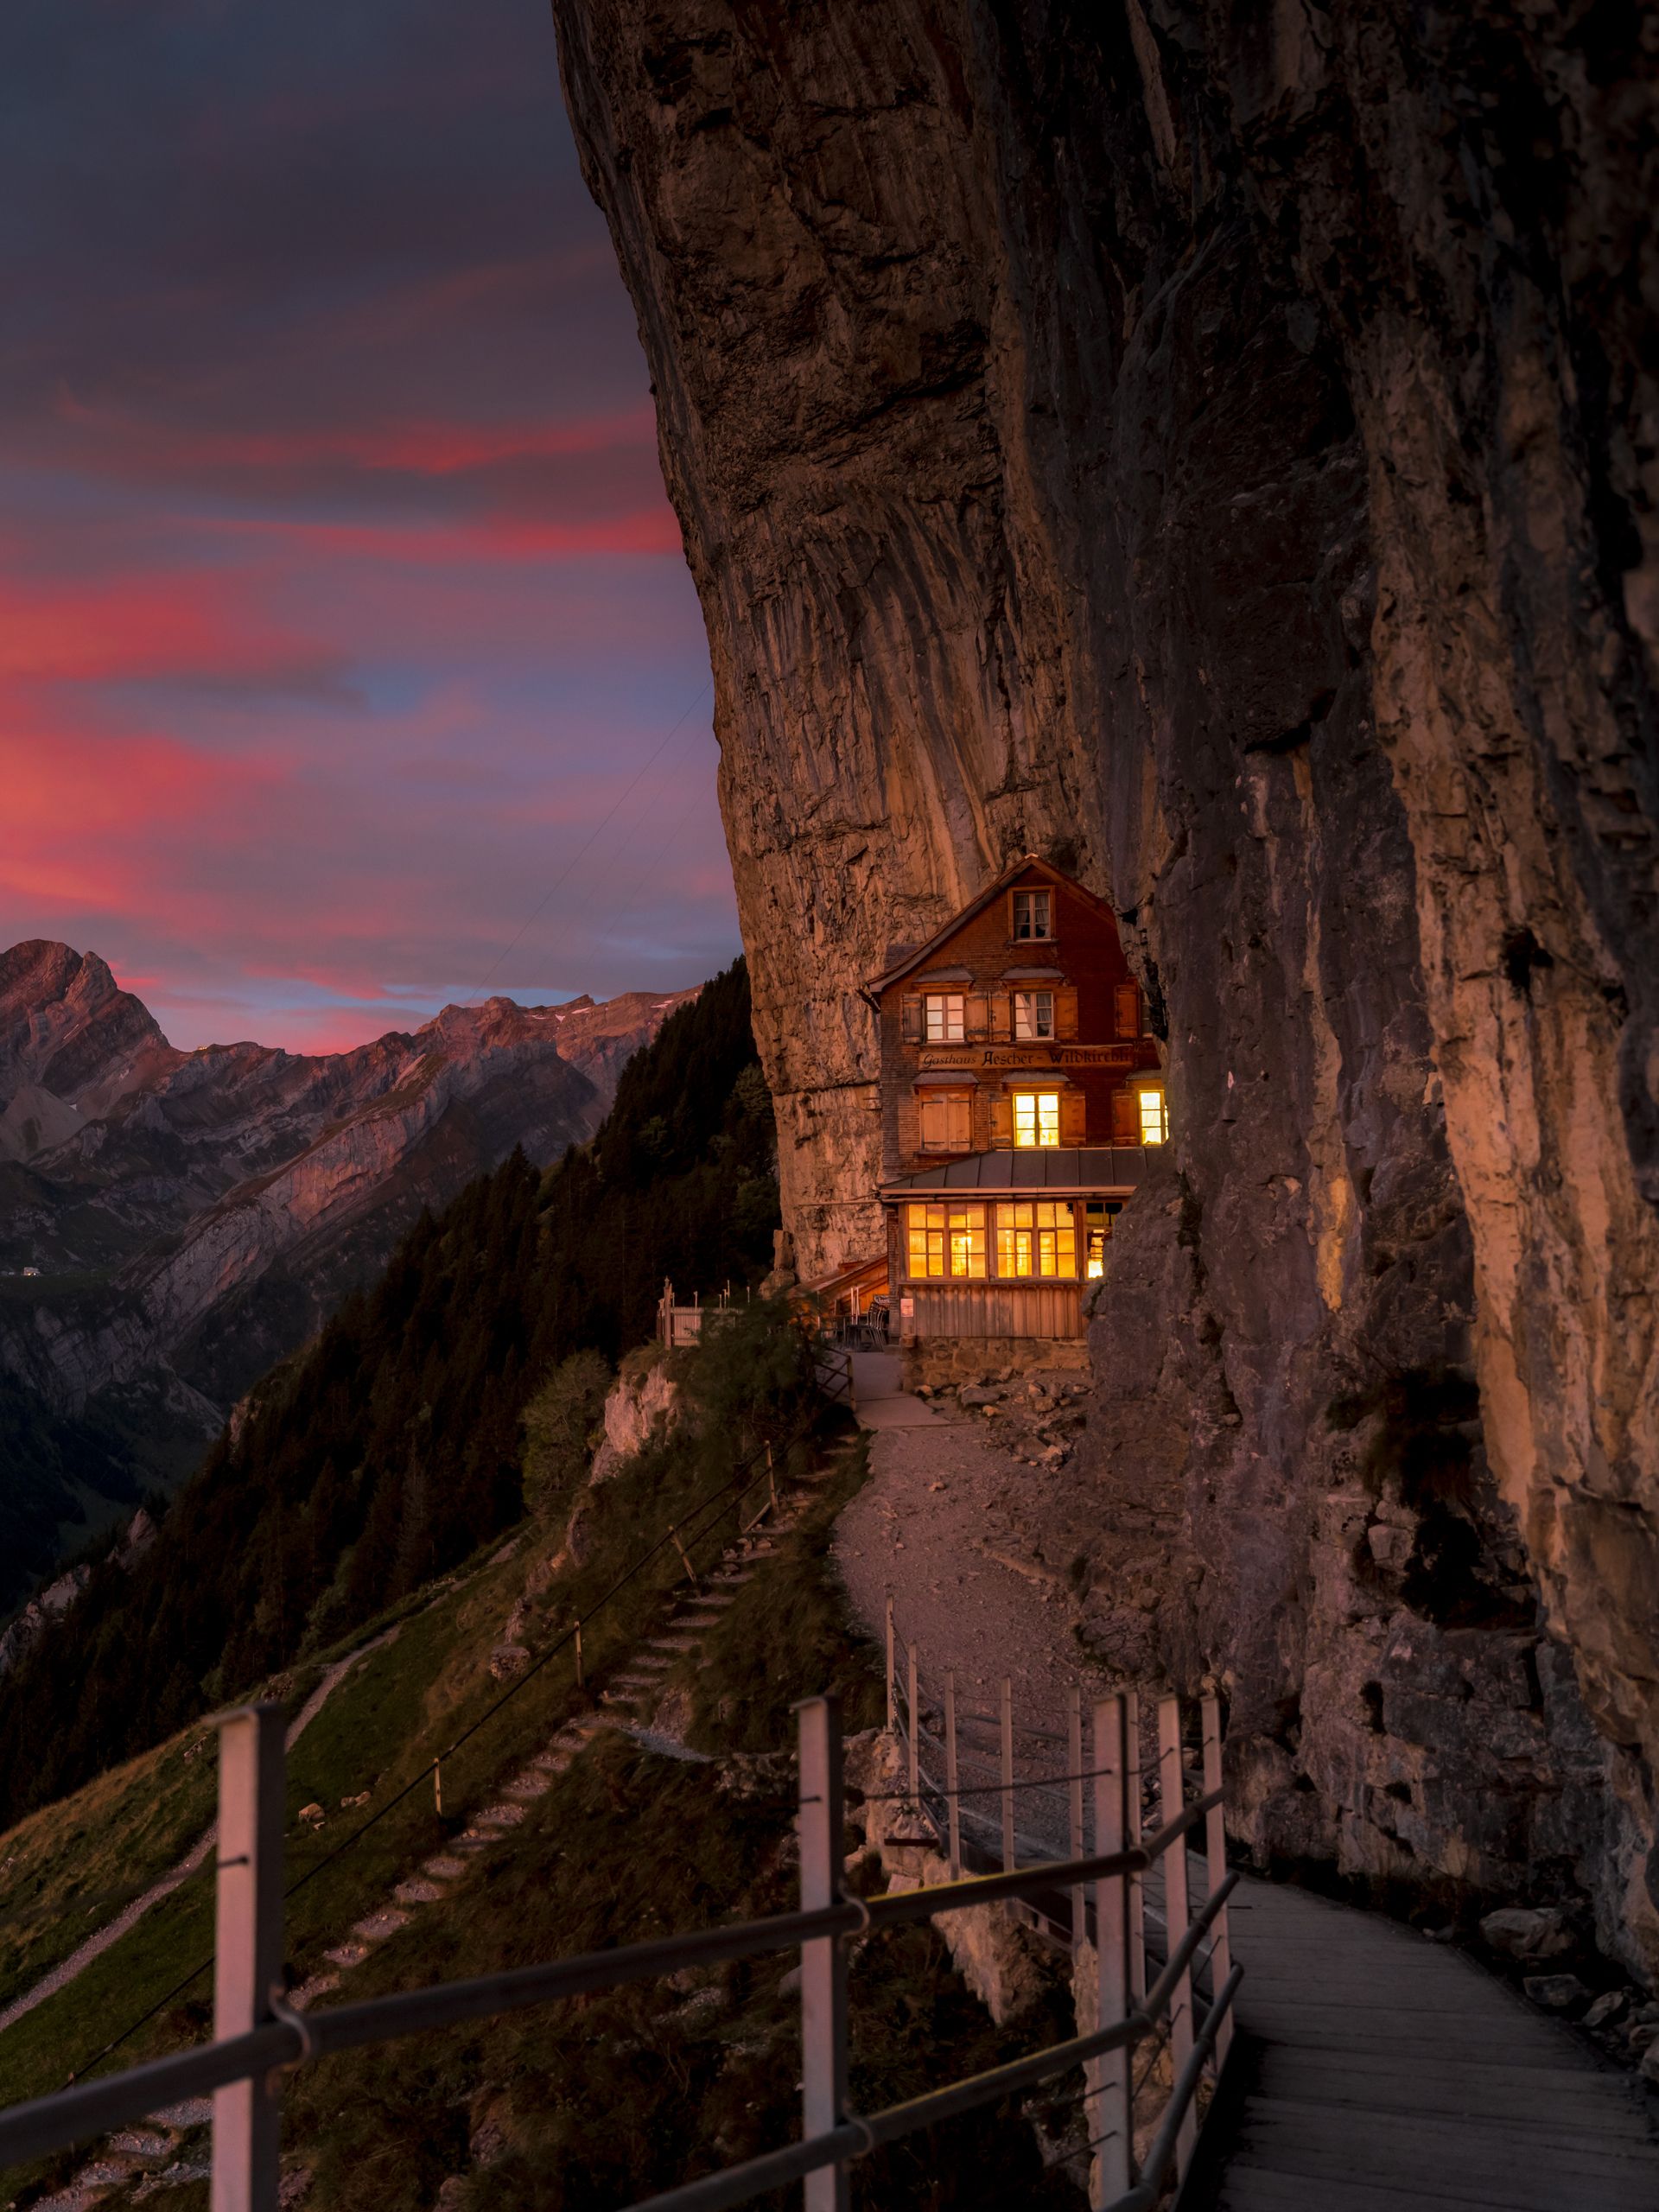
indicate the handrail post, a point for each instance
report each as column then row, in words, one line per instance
column 1074, row 1748
column 1007, row 1774
column 953, row 1796
column 892, row 1679
column 1215, row 1836
column 248, row 1950
column 1133, row 1832
column 1109, row 2109
column 823, row 1963
column 1177, row 1912
column 915, row 1730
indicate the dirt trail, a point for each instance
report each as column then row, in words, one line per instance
column 946, row 1526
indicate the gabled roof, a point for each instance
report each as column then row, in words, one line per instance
column 916, row 954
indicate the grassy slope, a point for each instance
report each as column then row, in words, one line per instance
column 402, row 1704
column 591, row 2104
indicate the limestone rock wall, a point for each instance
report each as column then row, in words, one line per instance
column 1214, row 446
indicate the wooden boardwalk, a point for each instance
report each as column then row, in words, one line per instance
column 1381, row 2073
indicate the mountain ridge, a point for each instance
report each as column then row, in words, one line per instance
column 172, row 1224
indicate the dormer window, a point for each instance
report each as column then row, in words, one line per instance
column 1032, row 915
column 1034, row 1014
column 943, row 1017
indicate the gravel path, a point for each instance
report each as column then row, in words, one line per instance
column 942, row 1525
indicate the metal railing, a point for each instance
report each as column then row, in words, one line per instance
column 832, row 1370
column 980, row 1822
column 258, row 2036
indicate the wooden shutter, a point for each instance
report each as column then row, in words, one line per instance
column 909, row 1018
column 975, row 1016
column 1002, row 1123
column 1126, row 999
column 1074, row 1116
column 1126, row 1117
column 1065, row 1010
column 1001, row 1005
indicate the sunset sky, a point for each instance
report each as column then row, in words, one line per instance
column 341, row 604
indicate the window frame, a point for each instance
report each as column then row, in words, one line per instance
column 958, row 1233
column 1047, row 1231
column 1039, row 1095
column 1035, row 1035
column 1018, row 936
column 1145, row 1093
column 945, row 1000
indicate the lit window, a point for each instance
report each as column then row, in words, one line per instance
column 946, row 1240
column 941, row 1017
column 1034, row 1014
column 1031, row 913
column 947, row 1121
column 1036, row 1238
column 1096, row 1228
column 1154, row 1117
column 1036, row 1119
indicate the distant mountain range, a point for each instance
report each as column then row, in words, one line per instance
column 172, row 1224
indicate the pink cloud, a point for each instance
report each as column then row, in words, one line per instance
column 422, row 447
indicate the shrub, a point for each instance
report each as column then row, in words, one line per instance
column 561, row 1426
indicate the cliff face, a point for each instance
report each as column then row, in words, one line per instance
column 194, row 1217
column 1215, row 448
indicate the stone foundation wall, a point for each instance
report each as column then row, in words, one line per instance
column 941, row 1363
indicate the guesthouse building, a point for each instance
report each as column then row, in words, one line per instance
column 1019, row 1086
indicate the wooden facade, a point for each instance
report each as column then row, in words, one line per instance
column 1020, row 1081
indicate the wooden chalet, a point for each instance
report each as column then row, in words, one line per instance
column 1019, row 1085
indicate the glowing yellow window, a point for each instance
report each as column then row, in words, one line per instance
column 945, row 1240
column 1154, row 1117
column 1036, row 1237
column 1098, row 1227
column 1036, row 1118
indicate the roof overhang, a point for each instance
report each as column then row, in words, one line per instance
column 1056, row 1172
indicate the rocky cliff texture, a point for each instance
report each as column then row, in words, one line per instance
column 194, row 1216
column 1215, row 448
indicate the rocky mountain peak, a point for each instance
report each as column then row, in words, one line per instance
column 71, row 1041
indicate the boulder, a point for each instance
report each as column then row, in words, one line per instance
column 1527, row 1932
column 1556, row 1992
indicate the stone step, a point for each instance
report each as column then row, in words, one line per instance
column 346, row 1955
column 417, row 1891
column 378, row 1926
column 308, row 1992
column 142, row 2144
column 498, row 1816
column 443, row 1868
column 528, row 1786
column 190, row 2111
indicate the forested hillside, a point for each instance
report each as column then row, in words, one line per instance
column 392, row 1448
